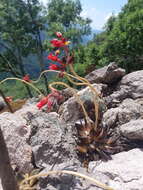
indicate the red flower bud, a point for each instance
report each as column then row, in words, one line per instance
column 52, row 57
column 9, row 98
column 26, row 78
column 42, row 102
column 59, row 34
column 54, row 67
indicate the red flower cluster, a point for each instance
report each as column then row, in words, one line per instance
column 26, row 78
column 61, row 42
column 53, row 98
column 65, row 60
column 58, row 43
column 54, row 58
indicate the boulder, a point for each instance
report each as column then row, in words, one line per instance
column 107, row 75
column 130, row 86
column 16, row 132
column 51, row 140
column 1, row 185
column 2, row 104
column 67, row 93
column 128, row 110
column 71, row 111
column 133, row 130
column 124, row 170
column 134, row 81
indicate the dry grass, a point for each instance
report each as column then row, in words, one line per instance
column 27, row 183
column 16, row 105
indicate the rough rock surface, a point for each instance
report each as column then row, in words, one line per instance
column 124, row 170
column 67, row 93
column 133, row 130
column 51, row 140
column 1, row 186
column 134, row 81
column 47, row 140
column 16, row 133
column 71, row 111
column 128, row 110
column 108, row 74
column 2, row 103
column 130, row 86
column 71, row 182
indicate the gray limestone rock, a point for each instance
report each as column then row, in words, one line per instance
column 130, row 86
column 51, row 140
column 107, row 75
column 71, row 111
column 2, row 103
column 16, row 132
column 133, row 130
column 124, row 170
column 128, row 110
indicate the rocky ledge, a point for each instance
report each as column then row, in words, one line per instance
column 40, row 141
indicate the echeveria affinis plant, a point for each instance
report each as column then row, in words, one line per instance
column 61, row 58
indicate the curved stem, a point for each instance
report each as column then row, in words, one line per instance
column 84, row 82
column 96, row 104
column 97, row 183
column 76, row 95
column 46, row 71
column 23, row 82
column 75, row 74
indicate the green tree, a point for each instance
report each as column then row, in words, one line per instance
column 37, row 27
column 22, row 23
column 64, row 16
column 13, row 36
column 124, row 42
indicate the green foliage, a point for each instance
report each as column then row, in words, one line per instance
column 64, row 16
column 86, row 58
column 123, row 42
column 23, row 24
column 18, row 90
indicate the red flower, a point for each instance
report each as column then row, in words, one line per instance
column 59, row 34
column 42, row 102
column 57, row 43
column 53, row 98
column 52, row 57
column 26, row 78
column 9, row 98
column 54, row 67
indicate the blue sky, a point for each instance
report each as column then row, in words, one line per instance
column 99, row 10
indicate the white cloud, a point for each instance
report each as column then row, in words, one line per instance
column 108, row 16
column 44, row 1
column 94, row 15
